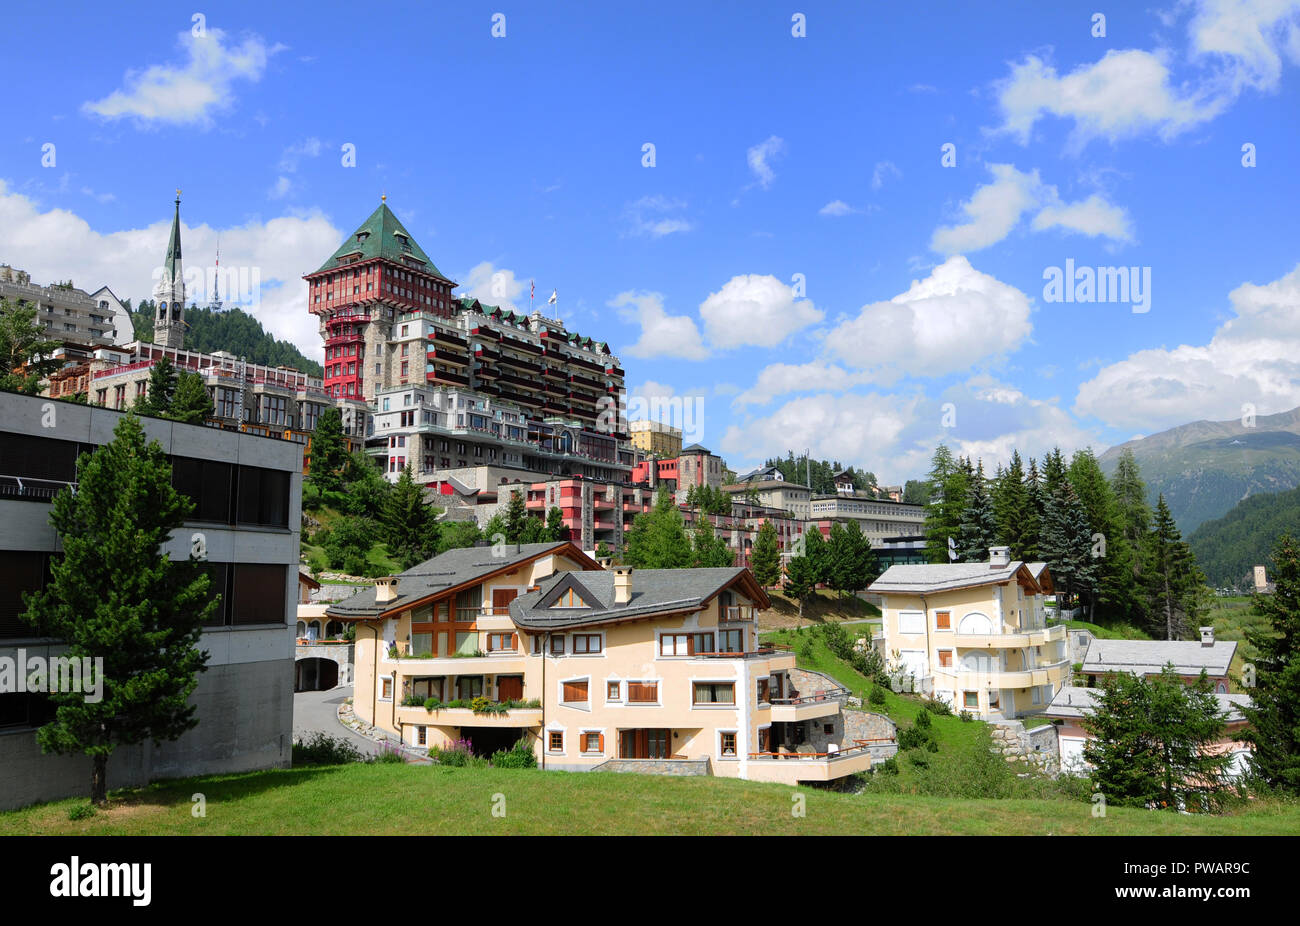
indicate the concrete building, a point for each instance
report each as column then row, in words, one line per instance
column 247, row 492
column 457, row 383
column 634, row 670
column 775, row 493
column 110, row 307
column 67, row 314
column 878, row 518
column 656, row 439
column 974, row 634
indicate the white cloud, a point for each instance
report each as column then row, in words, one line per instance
column 187, row 94
column 662, row 335
column 836, row 207
column 1093, row 217
column 778, row 379
column 994, row 209
column 650, row 215
column 759, row 156
column 1250, row 37
column 883, row 170
column 1254, row 358
column 491, row 285
column 58, row 244
column 280, row 189
column 755, row 309
column 953, row 319
column 307, row 148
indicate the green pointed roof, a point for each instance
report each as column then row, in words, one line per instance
column 174, row 246
column 382, row 236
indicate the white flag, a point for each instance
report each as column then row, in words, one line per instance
column 554, row 297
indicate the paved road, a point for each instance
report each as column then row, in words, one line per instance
column 318, row 710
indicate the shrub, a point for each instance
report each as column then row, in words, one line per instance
column 838, row 641
column 923, row 719
column 432, row 704
column 322, row 749
column 81, row 812
column 937, row 707
column 888, row 767
column 389, row 755
column 966, row 716
column 877, row 695
column 520, row 755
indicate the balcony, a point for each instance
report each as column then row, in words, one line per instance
column 1038, row 637
column 793, row 767
column 489, row 664
column 465, row 717
column 821, row 703
column 735, row 614
column 956, row 678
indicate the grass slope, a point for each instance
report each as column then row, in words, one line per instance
column 431, row 800
column 825, row 605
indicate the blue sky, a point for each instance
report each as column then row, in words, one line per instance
column 798, row 260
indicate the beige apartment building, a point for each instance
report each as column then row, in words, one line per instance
column 775, row 493
column 635, row 669
column 655, row 438
column 974, row 634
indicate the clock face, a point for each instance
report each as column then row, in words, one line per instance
column 162, row 305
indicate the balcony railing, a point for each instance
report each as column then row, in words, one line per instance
column 858, row 747
column 765, row 651
column 28, row 489
column 736, row 613
column 821, row 694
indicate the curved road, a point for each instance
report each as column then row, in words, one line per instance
column 318, row 711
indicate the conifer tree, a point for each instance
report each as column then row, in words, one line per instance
column 658, row 538
column 191, row 403
column 406, row 519
column 710, row 550
column 977, row 529
column 1011, row 510
column 1066, row 544
column 328, row 451
column 114, row 593
column 1114, row 588
column 818, row 553
column 516, row 517
column 1037, row 504
column 852, row 561
column 1274, row 714
column 798, row 580
column 157, row 401
column 1152, row 742
column 765, row 557
column 1175, row 586
column 555, row 528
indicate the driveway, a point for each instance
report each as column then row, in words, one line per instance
column 318, row 711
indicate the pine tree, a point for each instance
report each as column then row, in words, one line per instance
column 114, row 593
column 710, row 550
column 453, row 535
column 516, row 517
column 406, row 519
column 1175, row 587
column 1114, row 589
column 1135, row 523
column 555, row 528
column 852, row 561
column 157, row 401
column 798, row 580
column 328, row 451
column 26, row 356
column 1152, row 742
column 950, row 481
column 1066, row 544
column 1011, row 509
column 765, row 557
column 977, row 529
column 191, row 403
column 658, row 538
column 818, row 553
column 1274, row 714
column 1031, row 535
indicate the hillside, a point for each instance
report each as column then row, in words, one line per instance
column 1229, row 547
column 234, row 331
column 1207, row 467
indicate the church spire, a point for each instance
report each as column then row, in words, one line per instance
column 169, row 324
column 174, row 248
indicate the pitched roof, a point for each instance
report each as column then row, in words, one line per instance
column 1071, row 702
column 654, row 591
column 924, row 578
column 381, row 236
column 447, row 571
column 1148, row 657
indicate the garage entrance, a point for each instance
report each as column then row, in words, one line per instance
column 315, row 674
column 487, row 740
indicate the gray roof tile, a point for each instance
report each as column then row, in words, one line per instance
column 1148, row 657
column 653, row 591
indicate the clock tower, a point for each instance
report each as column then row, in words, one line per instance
column 169, row 294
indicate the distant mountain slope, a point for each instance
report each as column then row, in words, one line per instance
column 1207, row 467
column 233, row 331
column 1231, row 546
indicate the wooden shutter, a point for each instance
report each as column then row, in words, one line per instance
column 601, row 743
column 514, row 641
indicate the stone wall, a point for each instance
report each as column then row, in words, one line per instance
column 1077, row 643
column 1037, row 747
column 680, row 768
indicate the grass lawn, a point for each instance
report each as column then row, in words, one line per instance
column 1231, row 618
column 825, row 605
column 1117, row 631
column 430, row 800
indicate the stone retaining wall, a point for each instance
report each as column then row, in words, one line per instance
column 1037, row 747
column 681, row 768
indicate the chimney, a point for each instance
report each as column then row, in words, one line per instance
column 999, row 557
column 385, row 589
column 1207, row 636
column 622, row 584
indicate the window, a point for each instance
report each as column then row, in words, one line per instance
column 943, row 620
column 19, row 572
column 469, row 687
column 727, row 744
column 762, row 690
column 500, row 642
column 575, row 692
column 555, row 741
column 828, row 729
column 586, row 644
column 715, row 693
column 466, row 643
column 970, row 699
column 263, row 497
column 674, row 644
column 421, row 736
column 557, row 645
column 468, row 604
column 945, row 658
column 703, row 643
column 568, row 599
column 613, row 691
column 642, row 692
column 911, row 622
column 385, row 689
column 421, row 644
column 593, row 742
column 537, row 644
column 731, row 641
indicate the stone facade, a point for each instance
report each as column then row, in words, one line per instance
column 1037, row 747
column 676, row 768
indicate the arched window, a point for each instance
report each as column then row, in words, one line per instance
column 301, row 630
column 333, row 629
column 313, row 630
column 975, row 623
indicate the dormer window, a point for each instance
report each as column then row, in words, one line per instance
column 362, row 236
